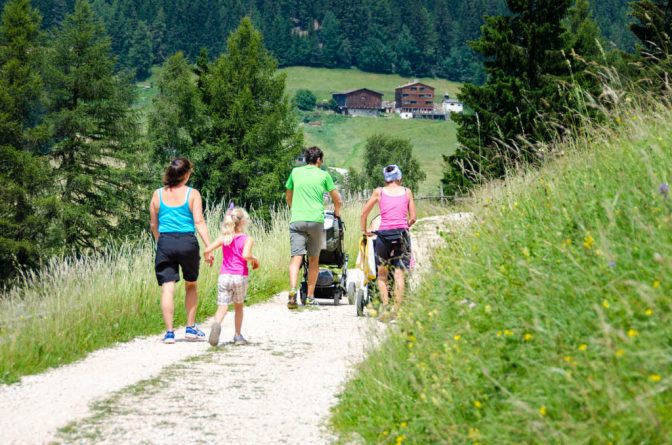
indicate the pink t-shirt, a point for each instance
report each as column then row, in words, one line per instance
column 393, row 211
column 233, row 262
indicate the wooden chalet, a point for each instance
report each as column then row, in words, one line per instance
column 415, row 97
column 359, row 102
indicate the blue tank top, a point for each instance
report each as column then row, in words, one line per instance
column 178, row 219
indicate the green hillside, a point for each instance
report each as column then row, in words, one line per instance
column 549, row 320
column 343, row 139
column 323, row 81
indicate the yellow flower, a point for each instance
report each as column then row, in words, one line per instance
column 526, row 252
column 583, row 347
column 605, row 304
column 656, row 284
column 473, row 434
column 508, row 333
column 588, row 242
column 528, row 337
column 385, row 433
column 488, row 308
column 620, row 353
column 403, row 424
column 400, row 439
column 477, row 404
column 655, row 378
column 542, row 411
column 499, row 333
column 632, row 333
column 567, row 242
column 649, row 312
column 457, row 337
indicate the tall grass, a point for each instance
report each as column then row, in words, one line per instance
column 77, row 305
column 569, row 340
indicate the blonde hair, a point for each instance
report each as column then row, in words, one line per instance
column 234, row 220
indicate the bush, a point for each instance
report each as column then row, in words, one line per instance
column 305, row 100
column 382, row 150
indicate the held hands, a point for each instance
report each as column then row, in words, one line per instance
column 209, row 258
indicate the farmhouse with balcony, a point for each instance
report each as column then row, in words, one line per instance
column 415, row 97
column 359, row 102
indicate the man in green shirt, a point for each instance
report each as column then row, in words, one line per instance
column 306, row 187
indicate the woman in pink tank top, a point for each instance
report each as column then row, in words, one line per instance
column 393, row 242
column 233, row 275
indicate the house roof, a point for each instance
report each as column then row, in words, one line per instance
column 338, row 93
column 414, row 83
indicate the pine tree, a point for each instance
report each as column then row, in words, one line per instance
column 177, row 119
column 159, row 37
column 254, row 136
column 93, row 132
column 141, row 53
column 24, row 209
column 331, row 39
column 524, row 56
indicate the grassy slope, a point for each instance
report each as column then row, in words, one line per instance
column 570, row 338
column 324, row 81
column 343, row 139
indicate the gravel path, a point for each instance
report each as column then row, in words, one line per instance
column 277, row 389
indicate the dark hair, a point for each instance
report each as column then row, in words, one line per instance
column 390, row 168
column 176, row 171
column 313, row 154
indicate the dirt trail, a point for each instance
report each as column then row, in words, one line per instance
column 278, row 389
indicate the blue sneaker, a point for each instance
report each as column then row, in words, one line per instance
column 169, row 338
column 193, row 333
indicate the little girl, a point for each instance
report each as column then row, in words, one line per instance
column 233, row 276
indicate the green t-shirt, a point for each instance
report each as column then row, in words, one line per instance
column 309, row 184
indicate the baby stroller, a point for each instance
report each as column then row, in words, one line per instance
column 331, row 279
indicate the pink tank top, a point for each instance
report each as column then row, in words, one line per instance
column 393, row 211
column 233, row 262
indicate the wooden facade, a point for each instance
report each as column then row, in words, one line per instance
column 414, row 97
column 359, row 101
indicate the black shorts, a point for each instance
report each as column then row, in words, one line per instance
column 174, row 251
column 393, row 248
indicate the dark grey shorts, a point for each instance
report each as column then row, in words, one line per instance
column 175, row 251
column 305, row 238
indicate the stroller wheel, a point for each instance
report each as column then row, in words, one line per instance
column 352, row 291
column 360, row 303
column 303, row 293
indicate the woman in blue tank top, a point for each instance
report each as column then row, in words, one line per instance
column 176, row 212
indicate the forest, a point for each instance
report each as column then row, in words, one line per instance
column 426, row 38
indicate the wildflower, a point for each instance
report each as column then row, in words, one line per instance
column 583, row 347
column 477, row 404
column 588, row 241
column 567, row 242
column 528, row 337
column 403, row 424
column 526, row 252
column 400, row 439
column 649, row 312
column 655, row 378
column 488, row 308
column 473, row 434
column 620, row 353
column 385, row 433
column 656, row 284
column 605, row 304
column 632, row 333
column 542, row 411
column 457, row 337
column 499, row 333
column 664, row 189
column 612, row 264
column 508, row 333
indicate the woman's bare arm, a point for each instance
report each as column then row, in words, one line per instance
column 367, row 209
column 154, row 215
column 199, row 223
column 412, row 216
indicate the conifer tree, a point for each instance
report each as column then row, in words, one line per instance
column 177, row 119
column 254, row 136
column 93, row 134
column 158, row 32
column 24, row 197
column 141, row 53
column 331, row 39
column 653, row 28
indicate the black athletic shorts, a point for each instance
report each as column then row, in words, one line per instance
column 174, row 251
column 393, row 248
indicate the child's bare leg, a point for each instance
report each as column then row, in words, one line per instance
column 167, row 304
column 399, row 285
column 238, row 307
column 221, row 312
column 382, row 284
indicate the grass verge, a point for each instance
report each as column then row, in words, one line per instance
column 76, row 306
column 549, row 321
